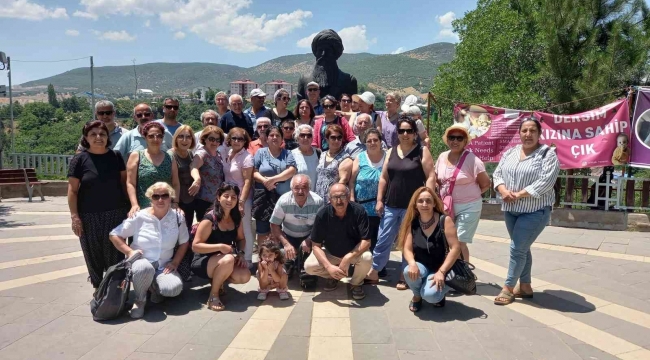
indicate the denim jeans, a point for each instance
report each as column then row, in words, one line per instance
column 524, row 228
column 422, row 286
column 388, row 229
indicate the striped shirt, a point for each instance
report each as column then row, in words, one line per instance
column 296, row 221
column 536, row 174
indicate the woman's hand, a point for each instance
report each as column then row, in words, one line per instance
column 133, row 252
column 194, row 188
column 225, row 249
column 269, row 183
column 77, row 226
column 438, row 280
column 241, row 261
column 379, row 208
column 507, row 195
column 134, row 209
column 170, row 267
column 414, row 272
column 241, row 207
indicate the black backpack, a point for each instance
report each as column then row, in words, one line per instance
column 110, row 298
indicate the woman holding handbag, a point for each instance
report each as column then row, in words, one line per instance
column 461, row 178
column 424, row 238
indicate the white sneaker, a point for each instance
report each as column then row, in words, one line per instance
column 261, row 296
column 283, row 295
column 137, row 311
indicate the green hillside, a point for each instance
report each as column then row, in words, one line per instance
column 386, row 71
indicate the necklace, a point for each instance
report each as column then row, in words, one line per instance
column 428, row 224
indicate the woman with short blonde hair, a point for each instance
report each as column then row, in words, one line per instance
column 207, row 170
column 181, row 152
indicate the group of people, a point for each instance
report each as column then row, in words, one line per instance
column 334, row 183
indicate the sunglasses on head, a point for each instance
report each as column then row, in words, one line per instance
column 405, row 131
column 102, row 113
column 312, row 89
column 141, row 115
column 305, row 136
column 155, row 136
column 336, row 138
column 171, row 107
column 330, row 106
column 456, row 137
column 156, row 197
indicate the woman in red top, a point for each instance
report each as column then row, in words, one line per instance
column 329, row 104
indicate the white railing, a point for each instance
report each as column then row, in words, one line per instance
column 45, row 164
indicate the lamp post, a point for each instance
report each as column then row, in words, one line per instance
column 5, row 61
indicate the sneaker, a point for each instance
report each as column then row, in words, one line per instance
column 137, row 311
column 284, row 295
column 156, row 298
column 358, row 293
column 261, row 296
column 331, row 284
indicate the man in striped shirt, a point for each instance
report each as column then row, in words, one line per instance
column 293, row 218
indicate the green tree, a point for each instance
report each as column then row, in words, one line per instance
column 209, row 96
column 51, row 96
column 74, row 104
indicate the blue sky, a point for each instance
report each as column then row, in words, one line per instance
column 237, row 32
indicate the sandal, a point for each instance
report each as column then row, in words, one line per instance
column 215, row 304
column 415, row 306
column 441, row 303
column 520, row 294
column 505, row 297
column 368, row 281
column 401, row 285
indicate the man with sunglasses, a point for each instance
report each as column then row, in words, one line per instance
column 236, row 117
column 133, row 140
column 257, row 108
column 170, row 111
column 105, row 112
column 313, row 94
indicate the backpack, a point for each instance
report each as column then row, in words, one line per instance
column 110, row 298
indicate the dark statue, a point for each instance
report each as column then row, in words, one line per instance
column 327, row 47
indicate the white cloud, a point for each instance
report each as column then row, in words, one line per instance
column 399, row 50
column 219, row 22
column 147, row 23
column 25, row 10
column 447, row 30
column 115, row 36
column 179, row 35
column 71, row 32
column 354, row 39
column 85, row 15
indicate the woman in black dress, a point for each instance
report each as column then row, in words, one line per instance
column 97, row 198
column 219, row 245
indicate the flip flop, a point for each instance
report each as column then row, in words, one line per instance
column 415, row 306
column 401, row 285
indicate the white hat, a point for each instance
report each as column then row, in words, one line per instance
column 408, row 102
column 313, row 83
column 367, row 97
column 257, row 92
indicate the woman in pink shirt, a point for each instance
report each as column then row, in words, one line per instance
column 471, row 181
column 238, row 170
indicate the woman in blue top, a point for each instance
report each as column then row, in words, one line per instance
column 274, row 168
column 364, row 182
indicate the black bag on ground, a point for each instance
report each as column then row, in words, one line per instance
column 460, row 277
column 110, row 298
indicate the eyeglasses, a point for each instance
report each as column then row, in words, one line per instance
column 285, row 98
column 209, row 119
column 185, row 137
column 238, row 103
column 455, row 137
column 330, row 106
column 171, row 107
column 405, row 131
column 313, row 89
column 156, row 197
column 262, row 126
column 372, row 141
column 287, row 128
column 336, row 138
column 102, row 113
column 346, row 100
column 237, row 139
column 305, row 136
column 339, row 197
column 214, row 139
column 155, row 136
column 141, row 115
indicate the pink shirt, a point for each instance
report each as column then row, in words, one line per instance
column 233, row 168
column 466, row 189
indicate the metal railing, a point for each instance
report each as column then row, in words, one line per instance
column 45, row 164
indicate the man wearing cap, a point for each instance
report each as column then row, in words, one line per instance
column 366, row 103
column 257, row 108
column 236, row 116
column 313, row 94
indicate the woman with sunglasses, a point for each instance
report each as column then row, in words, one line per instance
column 280, row 113
column 261, row 125
column 304, row 113
column 288, row 126
column 306, row 155
column 408, row 167
column 335, row 165
column 207, row 170
column 330, row 118
column 156, row 233
column 238, row 168
column 470, row 182
column 149, row 166
column 181, row 152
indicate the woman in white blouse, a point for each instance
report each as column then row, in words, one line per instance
column 524, row 178
column 156, row 231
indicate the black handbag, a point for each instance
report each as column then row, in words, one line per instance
column 460, row 277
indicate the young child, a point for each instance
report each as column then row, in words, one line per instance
column 270, row 271
column 621, row 154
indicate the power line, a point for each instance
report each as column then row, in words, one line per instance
column 50, row 61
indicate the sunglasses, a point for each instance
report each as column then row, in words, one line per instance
column 102, row 113
column 214, row 139
column 346, row 100
column 141, row 115
column 330, row 106
column 312, row 89
column 171, row 107
column 305, row 136
column 156, row 197
column 262, row 126
column 455, row 137
column 287, row 128
column 336, row 138
column 237, row 139
column 284, row 98
column 405, row 131
column 155, row 136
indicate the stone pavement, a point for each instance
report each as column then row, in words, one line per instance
column 592, row 301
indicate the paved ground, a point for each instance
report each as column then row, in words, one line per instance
column 592, row 302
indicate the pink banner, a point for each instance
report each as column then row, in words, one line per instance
column 595, row 138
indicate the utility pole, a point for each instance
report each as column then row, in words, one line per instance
column 135, row 94
column 11, row 105
column 92, row 84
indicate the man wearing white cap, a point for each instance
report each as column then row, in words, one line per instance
column 366, row 103
column 257, row 108
column 411, row 108
column 313, row 94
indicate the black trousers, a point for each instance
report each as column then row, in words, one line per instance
column 200, row 208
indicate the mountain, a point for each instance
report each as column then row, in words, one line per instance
column 415, row 68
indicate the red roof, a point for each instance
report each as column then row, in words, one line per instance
column 243, row 81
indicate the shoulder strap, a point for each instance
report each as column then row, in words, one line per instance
column 458, row 166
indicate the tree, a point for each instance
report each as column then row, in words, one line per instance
column 209, row 96
column 74, row 104
column 51, row 96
